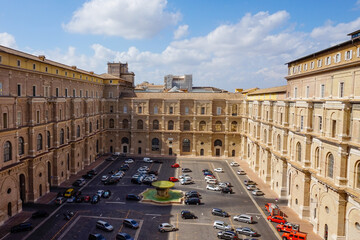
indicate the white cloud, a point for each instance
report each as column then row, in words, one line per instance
column 181, row 32
column 130, row 19
column 7, row 40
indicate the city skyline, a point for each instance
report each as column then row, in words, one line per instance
column 219, row 43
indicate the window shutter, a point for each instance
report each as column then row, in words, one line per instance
column 350, row 55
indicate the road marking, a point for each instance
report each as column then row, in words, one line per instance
column 117, row 202
column 159, row 168
column 152, row 214
column 64, row 227
column 232, row 224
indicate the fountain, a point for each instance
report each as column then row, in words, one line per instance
column 162, row 193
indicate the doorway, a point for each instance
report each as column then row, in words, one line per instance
column 202, row 152
column 139, row 150
column 170, row 151
column 326, row 232
column 9, row 209
column 125, row 149
column 49, row 172
column 22, row 188
column 217, row 152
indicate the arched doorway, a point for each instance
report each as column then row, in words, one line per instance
column 111, row 149
column 217, row 147
column 22, row 188
column 49, row 173
column 139, row 150
column 40, row 190
column 233, row 153
column 326, row 233
column 9, row 209
column 202, row 152
column 170, row 151
column 125, row 144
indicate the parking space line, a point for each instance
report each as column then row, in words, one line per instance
column 232, row 224
column 64, row 227
column 177, row 225
column 117, row 202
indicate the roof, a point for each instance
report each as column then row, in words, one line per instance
column 250, row 90
column 109, row 76
column 269, row 90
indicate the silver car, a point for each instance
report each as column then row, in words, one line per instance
column 167, row 227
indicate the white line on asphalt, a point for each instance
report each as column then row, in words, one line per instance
column 117, row 202
column 151, row 214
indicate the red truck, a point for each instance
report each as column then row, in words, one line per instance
column 287, row 227
column 273, row 209
column 294, row 236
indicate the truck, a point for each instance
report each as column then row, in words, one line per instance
column 294, row 236
column 272, row 209
column 288, row 227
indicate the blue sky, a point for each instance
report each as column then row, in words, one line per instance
column 225, row 43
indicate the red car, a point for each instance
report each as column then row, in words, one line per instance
column 87, row 199
column 176, row 165
column 276, row 219
column 173, row 179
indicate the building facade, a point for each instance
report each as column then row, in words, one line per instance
column 302, row 139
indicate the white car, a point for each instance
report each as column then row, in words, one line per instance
column 147, row 160
column 184, row 175
column 129, row 160
column 251, row 187
column 146, row 168
column 241, row 172
column 211, row 181
column 209, row 177
column 218, row 170
column 167, row 227
column 104, row 178
column 234, row 164
column 213, row 187
column 186, row 181
column 142, row 171
column 224, row 184
column 257, row 192
column 100, row 193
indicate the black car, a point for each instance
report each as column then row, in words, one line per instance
column 110, row 181
column 192, row 201
column 95, row 199
column 205, row 170
column 193, row 195
column 192, row 192
column 227, row 235
column 185, row 214
column 153, row 172
column 96, row 236
column 87, row 176
column 26, row 226
column 92, row 172
column 79, row 199
column 227, row 190
column 124, row 167
column 40, row 214
column 219, row 212
column 133, row 197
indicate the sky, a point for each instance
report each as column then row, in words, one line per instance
column 227, row 44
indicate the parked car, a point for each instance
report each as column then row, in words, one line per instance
column 287, row 227
column 193, row 195
column 206, row 170
column 106, row 194
column 213, row 187
column 133, row 197
column 173, row 179
column 251, row 187
column 227, row 190
column 131, row 223
column 186, row 170
column 244, row 218
column 92, row 172
column 79, row 199
column 225, row 184
column 294, row 235
column 186, row 181
column 176, row 165
column 247, row 231
column 241, row 172
column 69, row 192
column 222, row 226
column 143, row 168
column 147, row 160
column 192, row 200
column 249, row 182
column 257, row 192
column 111, row 181
column 95, row 199
column 96, row 236
column 100, row 193
column 219, row 170
column 40, row 214
column 208, row 173
column 167, row 227
column 110, row 159
column 87, row 176
column 193, row 192
column 185, row 214
column 276, row 219
column 234, row 164
column 207, row 177
column 87, row 198
column 123, row 236
column 212, row 181
column 104, row 226
column 59, row 200
column 227, row 235
column 71, row 199
column 219, row 212
column 184, row 176
column 128, row 161
column 26, row 226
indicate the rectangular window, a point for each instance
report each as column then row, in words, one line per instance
column 156, row 110
column 322, row 90
column 19, row 90
column 111, row 109
column 202, row 110
column 319, row 63
column 34, row 66
column 80, row 93
column 337, row 57
column 125, row 109
column 18, row 119
column 66, row 92
column 328, row 61
column 57, row 92
column 320, row 123
column 312, row 65
column 57, row 71
column 65, row 73
column 38, row 117
column 295, row 92
column 34, row 91
column 46, row 69
column 305, row 67
column 299, row 68
column 186, row 110
column 302, row 122
column 348, row 55
column 74, row 93
column 18, row 63
column 307, row 91
column 110, row 94
column 341, row 90
column 139, row 109
column 5, row 120
column 333, row 132
column 171, row 110
column 0, row 59
column 87, row 93
column 358, row 53
column 46, row 114
column 281, row 118
column 218, row 110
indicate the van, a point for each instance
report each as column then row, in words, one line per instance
column 69, row 192
column 244, row 218
column 104, row 226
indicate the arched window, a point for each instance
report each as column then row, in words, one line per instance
column 97, row 146
column 217, row 143
column 61, row 136
column 68, row 133
column 90, row 127
column 186, row 125
column 39, row 142
column 111, row 123
column 125, row 124
column 298, row 152
column 124, row 140
column 330, row 166
column 48, row 139
column 357, row 175
column 156, row 110
column 218, row 126
column 234, row 126
column 78, row 131
column 21, row 145
column 278, row 140
column 234, row 110
column 171, row 125
column 317, row 157
column 265, row 136
column 7, row 151
column 202, row 126
column 140, row 124
column 155, row 144
column 186, row 145
column 156, row 125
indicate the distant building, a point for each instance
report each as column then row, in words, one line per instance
column 183, row 83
